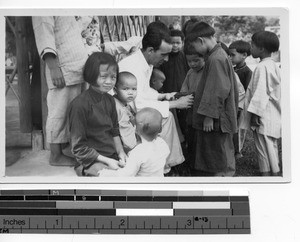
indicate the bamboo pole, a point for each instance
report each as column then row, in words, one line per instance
column 124, row 27
column 23, row 74
column 129, row 26
column 108, row 29
column 117, row 27
column 139, row 24
column 134, row 25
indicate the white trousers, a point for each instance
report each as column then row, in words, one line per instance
column 58, row 100
column 170, row 135
column 267, row 153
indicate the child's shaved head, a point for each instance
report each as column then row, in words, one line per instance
column 125, row 76
column 149, row 123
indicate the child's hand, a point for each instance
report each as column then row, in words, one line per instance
column 255, row 120
column 122, row 159
column 94, row 169
column 122, row 163
column 208, row 124
column 185, row 102
column 113, row 164
column 170, row 96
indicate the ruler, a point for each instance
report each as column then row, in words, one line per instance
column 124, row 212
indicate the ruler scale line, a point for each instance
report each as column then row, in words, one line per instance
column 119, row 211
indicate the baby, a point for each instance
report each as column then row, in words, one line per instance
column 125, row 89
column 156, row 83
column 149, row 157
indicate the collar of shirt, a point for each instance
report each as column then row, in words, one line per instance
column 144, row 141
column 143, row 64
column 213, row 49
column 240, row 67
column 95, row 94
column 267, row 58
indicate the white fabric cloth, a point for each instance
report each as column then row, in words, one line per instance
column 61, row 35
column 263, row 98
column 147, row 159
column 241, row 92
column 138, row 66
column 120, row 49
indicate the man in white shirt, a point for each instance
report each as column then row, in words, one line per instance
column 156, row 48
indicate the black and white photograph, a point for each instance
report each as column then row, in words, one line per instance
column 139, row 96
column 158, row 97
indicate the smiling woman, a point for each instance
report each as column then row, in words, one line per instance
column 93, row 119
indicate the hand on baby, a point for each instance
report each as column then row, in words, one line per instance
column 122, row 159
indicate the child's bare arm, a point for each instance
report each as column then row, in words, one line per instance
column 166, row 96
column 121, row 153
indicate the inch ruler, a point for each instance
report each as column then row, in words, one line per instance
column 124, row 212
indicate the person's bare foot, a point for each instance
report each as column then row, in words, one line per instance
column 61, row 160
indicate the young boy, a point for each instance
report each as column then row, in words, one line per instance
column 215, row 106
column 262, row 111
column 176, row 67
column 192, row 79
column 239, row 137
column 239, row 51
column 149, row 157
column 125, row 94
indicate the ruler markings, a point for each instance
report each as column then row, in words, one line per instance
column 71, row 208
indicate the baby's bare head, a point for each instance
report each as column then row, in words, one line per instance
column 148, row 123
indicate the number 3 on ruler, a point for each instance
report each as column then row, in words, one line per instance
column 189, row 222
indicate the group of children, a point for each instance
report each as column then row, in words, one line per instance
column 111, row 138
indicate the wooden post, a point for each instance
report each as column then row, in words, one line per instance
column 23, row 74
column 37, row 140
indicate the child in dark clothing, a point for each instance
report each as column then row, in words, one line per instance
column 93, row 119
column 176, row 67
column 215, row 106
column 175, row 70
column 239, row 51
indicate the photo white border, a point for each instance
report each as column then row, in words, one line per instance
column 284, row 46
